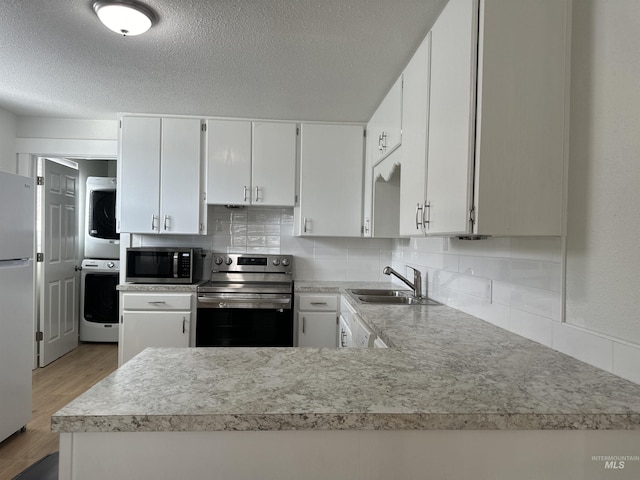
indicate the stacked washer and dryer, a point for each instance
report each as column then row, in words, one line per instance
column 101, row 265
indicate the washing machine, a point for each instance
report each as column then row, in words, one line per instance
column 99, row 300
column 100, row 238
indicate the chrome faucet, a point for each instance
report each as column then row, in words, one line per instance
column 416, row 286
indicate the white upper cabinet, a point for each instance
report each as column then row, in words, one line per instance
column 415, row 136
column 384, row 136
column 273, row 169
column 497, row 126
column 228, row 162
column 331, row 161
column 159, row 176
column 251, row 163
column 385, row 125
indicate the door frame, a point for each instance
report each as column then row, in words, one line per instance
column 26, row 164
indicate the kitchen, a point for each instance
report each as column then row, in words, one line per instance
column 530, row 306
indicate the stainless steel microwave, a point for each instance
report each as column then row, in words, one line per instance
column 164, row 265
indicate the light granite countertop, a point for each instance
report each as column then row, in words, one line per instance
column 158, row 287
column 446, row 371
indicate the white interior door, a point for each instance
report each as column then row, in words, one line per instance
column 60, row 279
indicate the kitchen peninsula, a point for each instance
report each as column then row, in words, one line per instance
column 453, row 396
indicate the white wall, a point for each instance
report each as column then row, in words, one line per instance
column 8, row 126
column 64, row 137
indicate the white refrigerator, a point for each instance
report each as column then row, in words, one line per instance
column 17, row 210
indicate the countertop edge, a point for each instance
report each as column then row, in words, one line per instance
column 336, row 421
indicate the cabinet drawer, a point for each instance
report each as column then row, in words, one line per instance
column 317, row 302
column 156, row 301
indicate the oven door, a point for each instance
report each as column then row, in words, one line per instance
column 244, row 320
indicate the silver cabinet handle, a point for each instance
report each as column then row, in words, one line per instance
column 184, row 324
column 418, row 216
column 318, row 303
column 158, row 302
column 153, row 221
column 305, row 227
column 257, row 192
column 366, row 225
column 304, row 325
column 343, row 336
column 244, row 194
column 426, row 217
column 167, row 224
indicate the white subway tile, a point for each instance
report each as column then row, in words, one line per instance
column 470, row 265
column 543, row 303
column 587, row 347
column 544, row 275
column 544, row 249
column 501, row 293
column 451, row 263
column 626, row 361
column 533, row 327
column 496, row 268
column 496, row 247
column 330, row 253
column 477, row 287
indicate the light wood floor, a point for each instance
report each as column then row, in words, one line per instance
column 53, row 387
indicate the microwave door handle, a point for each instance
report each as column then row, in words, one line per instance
column 175, row 264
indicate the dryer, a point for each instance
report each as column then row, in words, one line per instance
column 100, row 238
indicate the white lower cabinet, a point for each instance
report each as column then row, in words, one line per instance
column 154, row 320
column 317, row 317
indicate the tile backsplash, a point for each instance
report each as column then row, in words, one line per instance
column 270, row 230
column 514, row 283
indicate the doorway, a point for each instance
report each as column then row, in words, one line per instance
column 60, row 243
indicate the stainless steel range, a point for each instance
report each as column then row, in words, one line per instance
column 247, row 302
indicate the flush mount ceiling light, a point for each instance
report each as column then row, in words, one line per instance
column 127, row 18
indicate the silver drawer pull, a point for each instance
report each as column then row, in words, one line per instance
column 158, row 302
column 318, row 303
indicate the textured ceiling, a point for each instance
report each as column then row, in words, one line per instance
column 326, row 60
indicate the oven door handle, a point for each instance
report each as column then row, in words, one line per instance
column 239, row 301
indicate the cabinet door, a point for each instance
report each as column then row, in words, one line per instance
column 415, row 133
column 139, row 175
column 228, row 162
column 367, row 215
column 317, row 329
column 387, row 122
column 180, row 196
column 452, row 118
column 153, row 329
column 331, row 159
column 273, row 165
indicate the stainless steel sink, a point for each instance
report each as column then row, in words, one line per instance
column 389, row 297
column 381, row 292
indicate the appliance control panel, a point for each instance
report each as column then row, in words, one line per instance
column 223, row 262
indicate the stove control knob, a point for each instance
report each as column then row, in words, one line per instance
column 228, row 261
column 218, row 260
column 276, row 262
column 111, row 264
column 285, row 262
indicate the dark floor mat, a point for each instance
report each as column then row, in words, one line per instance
column 44, row 469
